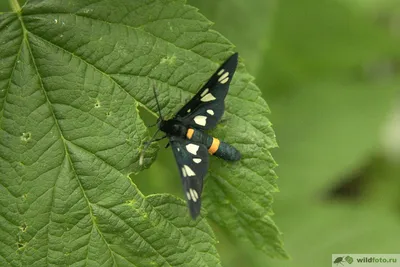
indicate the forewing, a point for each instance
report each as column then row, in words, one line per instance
column 206, row 108
column 192, row 160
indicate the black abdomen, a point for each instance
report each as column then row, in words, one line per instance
column 227, row 152
column 214, row 146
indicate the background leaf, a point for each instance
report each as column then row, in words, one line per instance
column 73, row 77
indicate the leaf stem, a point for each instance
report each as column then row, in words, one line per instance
column 15, row 5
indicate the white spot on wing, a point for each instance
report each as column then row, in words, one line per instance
column 178, row 149
column 208, row 97
column 200, row 120
column 193, row 194
column 197, row 160
column 204, row 92
column 192, row 148
column 189, row 110
column 220, row 72
column 188, row 195
column 210, row 111
column 184, row 171
column 224, row 78
column 188, row 170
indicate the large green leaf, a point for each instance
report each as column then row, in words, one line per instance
column 73, row 74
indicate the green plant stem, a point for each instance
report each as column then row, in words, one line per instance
column 15, row 5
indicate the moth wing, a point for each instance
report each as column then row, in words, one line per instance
column 206, row 108
column 192, row 160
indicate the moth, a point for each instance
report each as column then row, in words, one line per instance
column 190, row 144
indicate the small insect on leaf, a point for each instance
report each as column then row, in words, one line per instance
column 141, row 159
column 185, row 132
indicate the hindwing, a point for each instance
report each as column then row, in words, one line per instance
column 192, row 160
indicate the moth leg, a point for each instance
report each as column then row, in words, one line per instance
column 159, row 139
column 223, row 121
column 151, row 125
column 155, row 140
column 167, row 145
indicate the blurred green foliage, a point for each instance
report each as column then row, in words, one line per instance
column 4, row 6
column 329, row 71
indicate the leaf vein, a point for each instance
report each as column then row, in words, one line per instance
column 9, row 83
column 63, row 139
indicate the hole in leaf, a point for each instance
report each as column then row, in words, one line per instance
column 26, row 136
column 23, row 227
column 170, row 60
column 146, row 116
column 21, row 245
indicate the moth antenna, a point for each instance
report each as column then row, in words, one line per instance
column 154, row 135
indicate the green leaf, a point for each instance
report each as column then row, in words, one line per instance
column 72, row 76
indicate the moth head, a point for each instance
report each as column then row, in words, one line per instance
column 161, row 124
column 170, row 126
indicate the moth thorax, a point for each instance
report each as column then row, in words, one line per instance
column 173, row 127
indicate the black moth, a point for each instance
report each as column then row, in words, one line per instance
column 185, row 131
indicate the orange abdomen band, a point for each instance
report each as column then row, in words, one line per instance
column 214, row 146
column 189, row 133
